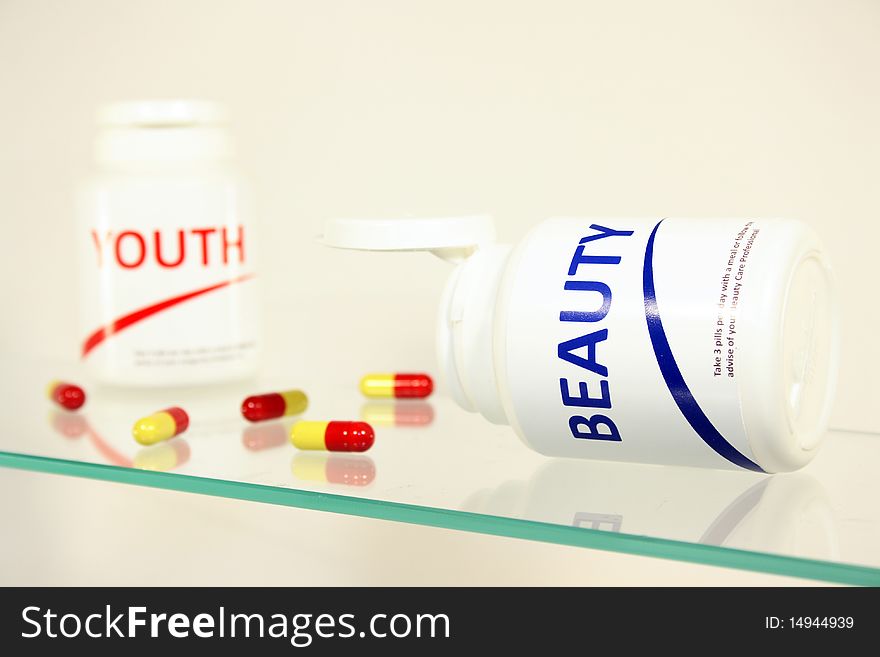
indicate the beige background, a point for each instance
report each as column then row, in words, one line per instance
column 520, row 109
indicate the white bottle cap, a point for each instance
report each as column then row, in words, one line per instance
column 161, row 113
column 164, row 133
column 451, row 238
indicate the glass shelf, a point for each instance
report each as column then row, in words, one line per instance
column 434, row 464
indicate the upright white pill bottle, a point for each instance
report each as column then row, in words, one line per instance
column 166, row 250
column 672, row 341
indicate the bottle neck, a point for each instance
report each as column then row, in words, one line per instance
column 128, row 148
column 466, row 332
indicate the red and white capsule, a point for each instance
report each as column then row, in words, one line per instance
column 398, row 386
column 66, row 395
column 332, row 436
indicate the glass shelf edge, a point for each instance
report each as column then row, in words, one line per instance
column 647, row 546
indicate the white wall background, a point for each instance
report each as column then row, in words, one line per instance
column 524, row 110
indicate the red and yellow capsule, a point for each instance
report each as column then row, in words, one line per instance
column 332, row 436
column 160, row 426
column 400, row 386
column 345, row 469
column 274, row 404
column 66, row 395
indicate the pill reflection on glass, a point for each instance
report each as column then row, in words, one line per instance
column 264, row 436
column 344, row 469
column 413, row 413
column 69, row 425
column 162, row 457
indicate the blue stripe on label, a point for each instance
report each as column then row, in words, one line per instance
column 672, row 375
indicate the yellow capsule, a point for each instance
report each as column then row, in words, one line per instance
column 308, row 435
column 160, row 426
column 378, row 385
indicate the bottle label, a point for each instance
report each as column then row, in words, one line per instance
column 167, row 289
column 639, row 356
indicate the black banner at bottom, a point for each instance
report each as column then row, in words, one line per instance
column 431, row 621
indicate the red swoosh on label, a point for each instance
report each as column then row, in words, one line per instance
column 132, row 318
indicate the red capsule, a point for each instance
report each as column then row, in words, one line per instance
column 349, row 436
column 412, row 386
column 400, row 386
column 66, row 395
column 274, row 404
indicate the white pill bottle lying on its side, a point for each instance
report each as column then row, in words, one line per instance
column 166, row 250
column 694, row 342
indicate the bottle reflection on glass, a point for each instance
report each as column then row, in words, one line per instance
column 787, row 514
column 74, row 425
